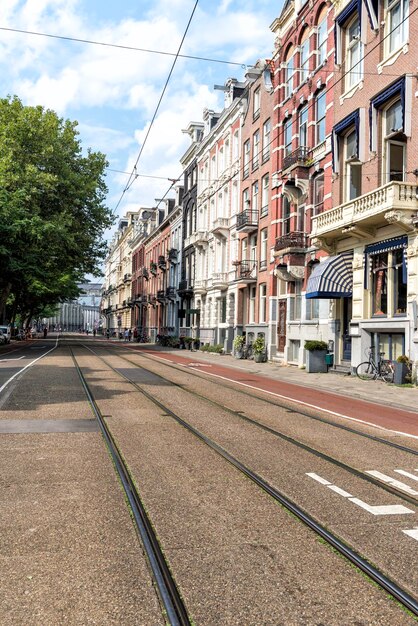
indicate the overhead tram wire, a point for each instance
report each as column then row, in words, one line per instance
column 122, row 47
column 133, row 175
column 309, row 106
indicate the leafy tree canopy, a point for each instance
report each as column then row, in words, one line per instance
column 52, row 208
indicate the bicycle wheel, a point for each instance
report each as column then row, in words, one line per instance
column 366, row 371
column 387, row 371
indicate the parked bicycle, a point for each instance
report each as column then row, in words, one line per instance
column 376, row 367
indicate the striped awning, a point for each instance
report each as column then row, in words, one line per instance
column 332, row 278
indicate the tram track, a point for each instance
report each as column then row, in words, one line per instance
column 333, row 540
column 276, row 433
column 169, row 594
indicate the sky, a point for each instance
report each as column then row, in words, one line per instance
column 113, row 93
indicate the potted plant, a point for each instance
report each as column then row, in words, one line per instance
column 402, row 373
column 259, row 350
column 238, row 345
column 315, row 356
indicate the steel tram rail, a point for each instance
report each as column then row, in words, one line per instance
column 349, row 429
column 167, row 588
column 402, row 596
column 322, row 455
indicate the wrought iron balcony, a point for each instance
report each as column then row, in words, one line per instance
column 153, row 268
column 126, row 278
column 161, row 297
column 294, row 240
column 170, row 292
column 162, row 262
column 246, row 271
column 145, row 273
column 301, row 156
column 247, row 221
column 144, row 300
column 172, row 255
column 185, row 287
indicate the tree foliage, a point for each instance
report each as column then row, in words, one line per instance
column 52, row 209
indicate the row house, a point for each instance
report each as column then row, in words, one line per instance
column 116, row 300
column 370, row 231
column 253, row 259
column 301, row 170
column 214, row 235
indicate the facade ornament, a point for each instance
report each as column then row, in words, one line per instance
column 296, row 271
column 400, row 218
column 323, row 244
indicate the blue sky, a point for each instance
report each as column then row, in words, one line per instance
column 113, row 93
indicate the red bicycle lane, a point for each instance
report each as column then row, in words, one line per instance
column 391, row 418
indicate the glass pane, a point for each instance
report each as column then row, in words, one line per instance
column 354, row 173
column 379, row 291
column 351, row 143
column 396, row 161
column 394, row 121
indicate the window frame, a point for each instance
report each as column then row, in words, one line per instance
column 353, row 46
column 303, row 125
column 287, row 136
column 320, row 127
column 403, row 25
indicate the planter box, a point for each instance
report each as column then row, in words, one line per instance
column 315, row 361
column 260, row 357
column 401, row 372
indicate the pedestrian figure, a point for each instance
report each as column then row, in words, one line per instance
column 107, row 333
column 135, row 333
column 45, row 332
column 94, row 332
column 126, row 334
column 129, row 334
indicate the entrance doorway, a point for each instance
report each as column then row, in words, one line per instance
column 281, row 326
column 347, row 311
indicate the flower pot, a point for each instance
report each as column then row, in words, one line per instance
column 315, row 361
column 238, row 354
column 260, row 357
column 401, row 372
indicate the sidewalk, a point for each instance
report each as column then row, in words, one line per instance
column 376, row 391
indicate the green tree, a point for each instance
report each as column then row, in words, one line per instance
column 52, row 209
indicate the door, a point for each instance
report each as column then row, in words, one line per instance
column 281, row 326
column 345, row 328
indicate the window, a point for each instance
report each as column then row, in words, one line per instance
column 321, row 40
column 295, row 300
column 287, row 130
column 251, row 312
column 253, row 248
column 220, row 161
column 235, row 145
column 397, row 24
column 254, row 205
column 394, row 143
column 289, row 73
column 399, row 280
column 256, row 108
column 266, row 140
column 246, row 200
column 256, row 149
column 352, row 166
column 285, row 215
column 213, row 168
column 226, row 154
column 300, row 226
column 263, row 249
column 222, row 310
column 264, row 195
column 246, row 170
column 318, row 194
column 312, row 308
column 303, row 126
column 354, row 53
column 379, row 283
column 304, row 60
column 244, row 249
column 262, row 306
column 320, row 117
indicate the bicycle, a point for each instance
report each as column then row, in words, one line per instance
column 375, row 368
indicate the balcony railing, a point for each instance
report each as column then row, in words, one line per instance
column 291, row 240
column 300, row 156
column 144, row 273
column 246, row 271
column 200, row 286
column 172, row 255
column 185, row 286
column 162, row 262
column 247, row 220
column 170, row 292
column 153, row 268
column 161, row 297
column 126, row 278
column 380, row 206
column 220, row 226
column 220, row 280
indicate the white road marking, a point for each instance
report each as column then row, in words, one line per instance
column 343, row 493
column 292, row 399
column 407, row 474
column 26, row 367
column 319, row 479
column 388, row 509
column 392, row 481
column 16, row 358
column 199, row 365
column 412, row 533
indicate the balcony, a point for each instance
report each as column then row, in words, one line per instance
column 246, row 272
column 393, row 203
column 144, row 273
column 173, row 255
column 127, row 277
column 200, row 287
column 170, row 293
column 153, row 268
column 143, row 300
column 162, row 263
column 199, row 238
column 301, row 157
column 152, row 299
column 220, row 227
column 220, row 280
column 161, row 297
column 185, row 288
column 247, row 221
column 292, row 242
